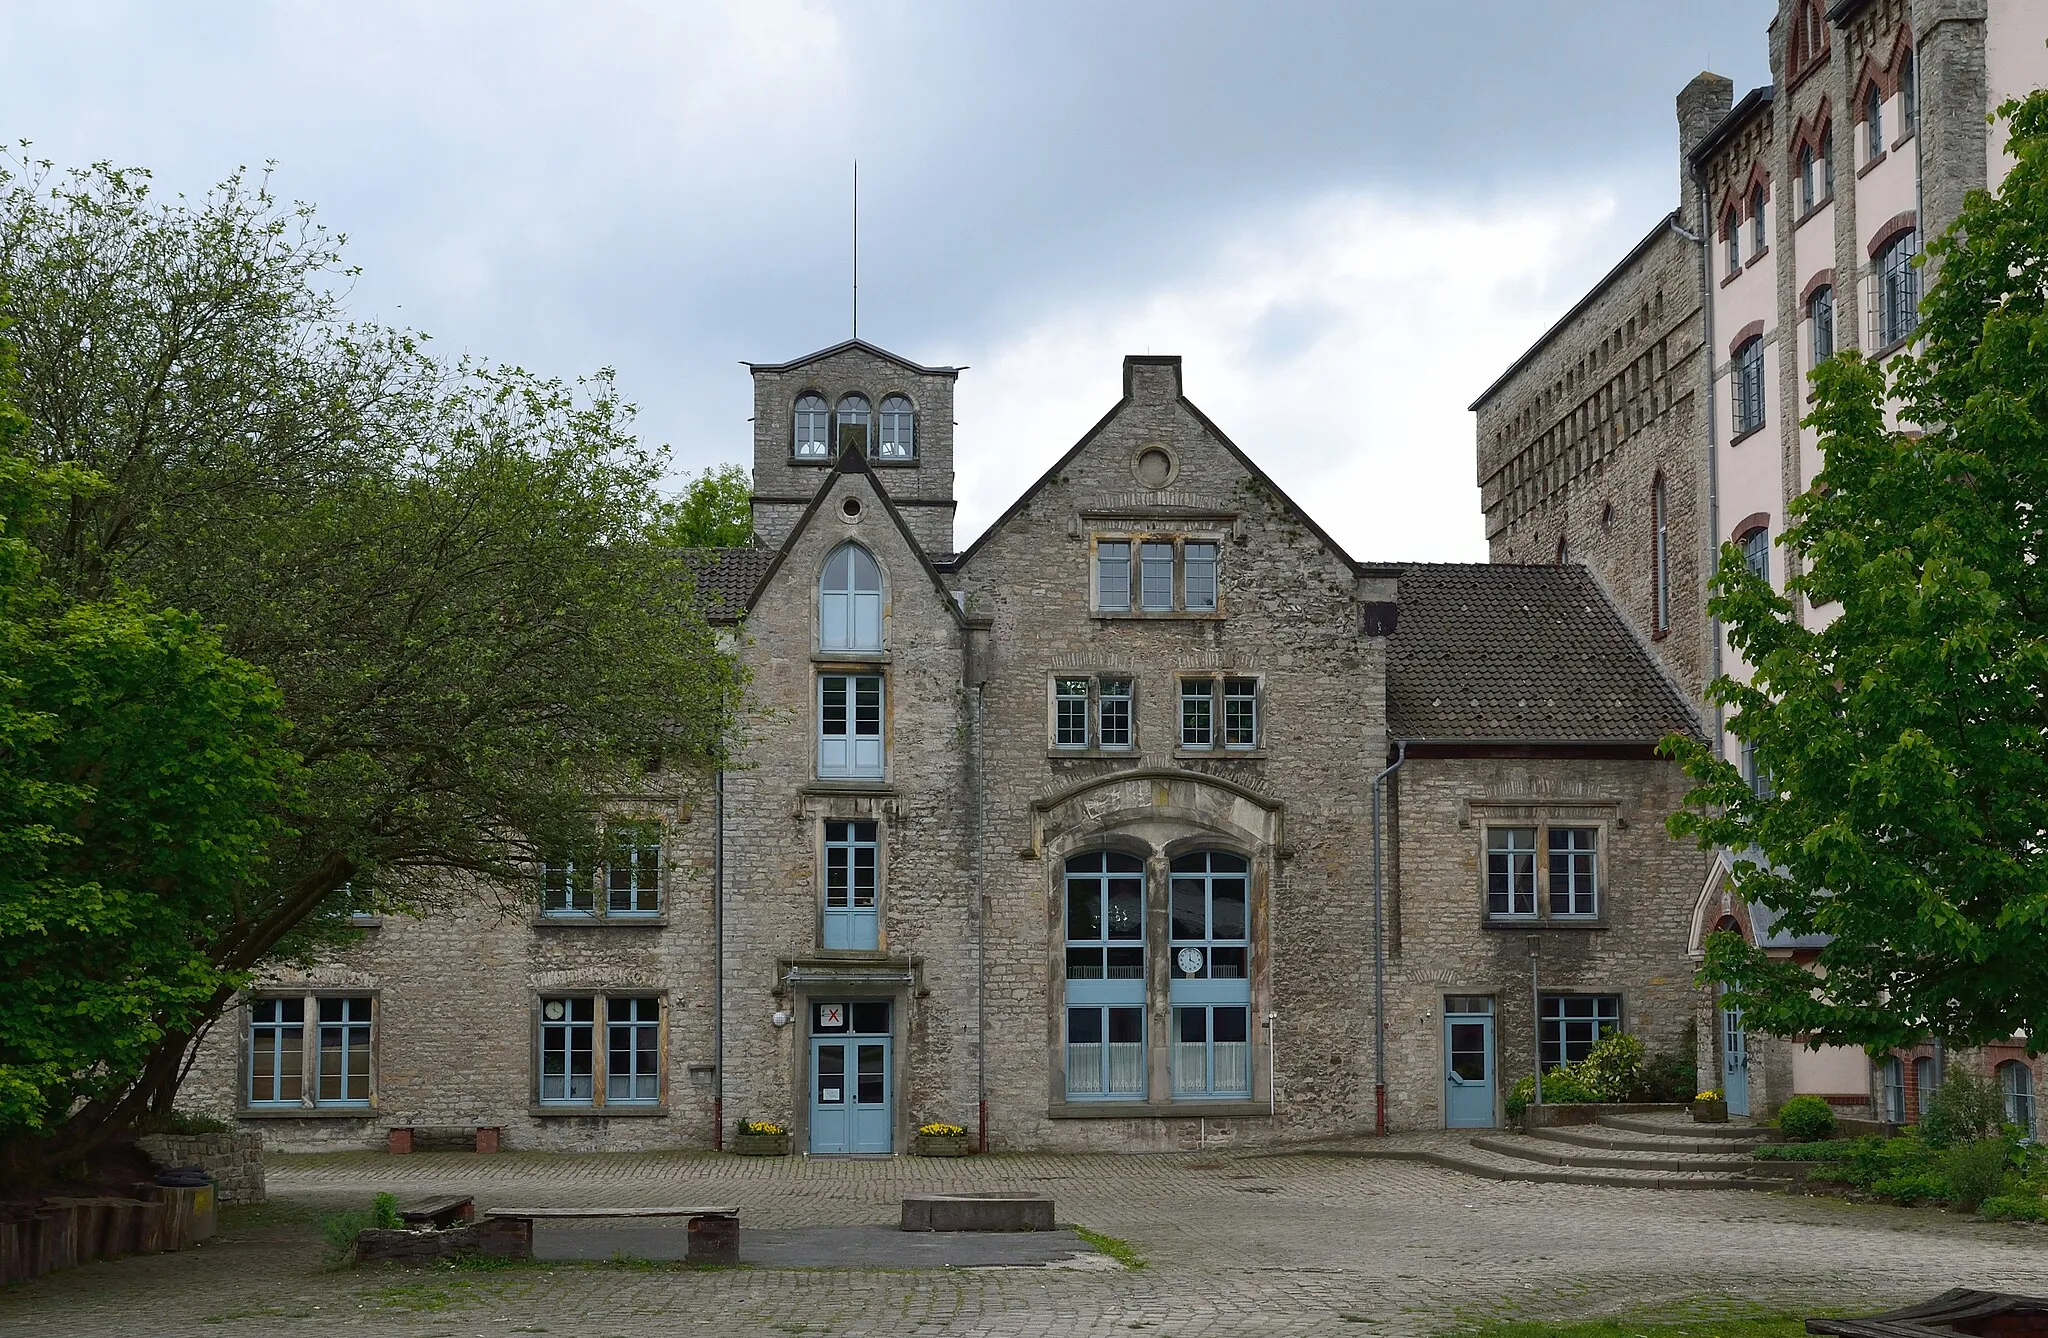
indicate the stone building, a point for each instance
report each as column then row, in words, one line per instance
column 1067, row 836
column 1801, row 210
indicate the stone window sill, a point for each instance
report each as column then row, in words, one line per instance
column 541, row 1112
column 1745, row 435
column 1227, row 754
column 850, row 657
column 1159, row 615
column 545, row 921
column 1732, row 275
column 1154, row 1110
column 1513, row 924
column 851, row 785
column 1903, row 140
column 307, row 1113
column 1819, row 206
column 1895, row 346
column 1756, row 256
column 1870, row 166
column 1091, row 754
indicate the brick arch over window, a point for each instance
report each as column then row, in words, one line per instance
column 1824, row 279
column 1750, row 524
column 1885, row 76
column 1735, row 200
column 1807, row 48
column 1753, row 330
column 1893, row 228
column 1811, row 132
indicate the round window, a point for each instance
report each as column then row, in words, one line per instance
column 1154, row 467
column 850, row 508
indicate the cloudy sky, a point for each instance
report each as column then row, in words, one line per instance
column 1347, row 217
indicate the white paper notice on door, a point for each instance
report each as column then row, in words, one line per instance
column 829, row 1094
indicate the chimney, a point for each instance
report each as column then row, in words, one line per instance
column 1701, row 107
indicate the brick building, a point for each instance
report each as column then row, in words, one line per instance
column 1660, row 418
column 1072, row 828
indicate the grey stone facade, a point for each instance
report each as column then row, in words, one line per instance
column 1516, row 694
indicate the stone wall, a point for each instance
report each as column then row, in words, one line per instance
column 234, row 1159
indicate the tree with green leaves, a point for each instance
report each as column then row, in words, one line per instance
column 142, row 774
column 449, row 569
column 715, row 510
column 1904, row 739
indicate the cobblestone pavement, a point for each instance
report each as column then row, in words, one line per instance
column 1234, row 1244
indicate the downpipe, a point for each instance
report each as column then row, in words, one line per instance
column 1379, row 950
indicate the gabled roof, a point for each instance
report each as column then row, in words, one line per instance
column 1498, row 652
column 852, row 461
column 726, row 578
column 1208, row 425
column 843, row 346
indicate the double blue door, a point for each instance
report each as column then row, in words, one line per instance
column 1468, row 1063
column 1734, row 1062
column 851, row 1079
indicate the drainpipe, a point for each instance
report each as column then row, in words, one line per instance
column 1379, row 953
column 718, row 960
column 974, row 705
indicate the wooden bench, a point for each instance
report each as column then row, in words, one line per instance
column 714, row 1231
column 440, row 1214
column 404, row 1138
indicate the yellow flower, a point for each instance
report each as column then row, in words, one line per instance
column 939, row 1130
column 1708, row 1096
column 761, row 1127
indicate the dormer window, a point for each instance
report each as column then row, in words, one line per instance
column 810, row 430
column 850, row 601
column 853, row 420
column 899, row 430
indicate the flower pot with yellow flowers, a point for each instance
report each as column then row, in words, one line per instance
column 939, row 1139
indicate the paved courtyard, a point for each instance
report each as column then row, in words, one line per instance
column 1232, row 1245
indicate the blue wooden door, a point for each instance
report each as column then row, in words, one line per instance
column 850, row 1091
column 1734, row 1062
column 1468, row 1070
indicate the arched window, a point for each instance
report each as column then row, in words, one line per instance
column 1749, row 386
column 1820, row 309
column 1731, row 236
column 899, row 430
column 1909, row 94
column 810, row 428
column 1891, row 1091
column 2016, row 1086
column 1898, row 289
column 1758, row 233
column 850, row 601
column 1660, row 557
column 1827, row 163
column 1873, row 124
column 1105, row 971
column 1923, row 1086
column 855, row 418
column 1756, row 552
column 1209, row 954
column 1807, row 180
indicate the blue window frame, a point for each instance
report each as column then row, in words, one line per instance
column 566, row 889
column 849, row 725
column 1820, row 309
column 1897, row 308
column 632, row 1051
column 567, row 1034
column 1113, row 576
column 1749, row 386
column 850, row 601
column 633, row 869
column 1115, row 711
column 344, row 1074
column 277, row 1038
column 1572, row 1023
column 1574, row 871
column 1070, row 713
column 1155, row 577
column 1511, row 871
column 1209, row 961
column 852, row 863
column 1105, row 968
column 1198, row 576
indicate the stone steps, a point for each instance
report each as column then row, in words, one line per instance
column 1600, row 1138
column 1552, row 1152
column 1491, row 1164
column 1666, row 1126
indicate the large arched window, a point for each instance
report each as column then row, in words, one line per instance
column 1209, row 956
column 1749, row 386
column 854, row 419
column 850, row 601
column 1756, row 552
column 1660, row 557
column 810, row 426
column 899, row 430
column 2016, row 1087
column 1105, row 971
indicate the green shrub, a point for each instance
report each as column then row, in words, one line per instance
column 384, row 1213
column 1560, row 1086
column 1832, row 1150
column 1670, row 1078
column 1964, row 1109
column 341, row 1229
column 1806, row 1119
column 1614, row 1067
column 2022, row 1205
column 183, row 1122
column 1975, row 1171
